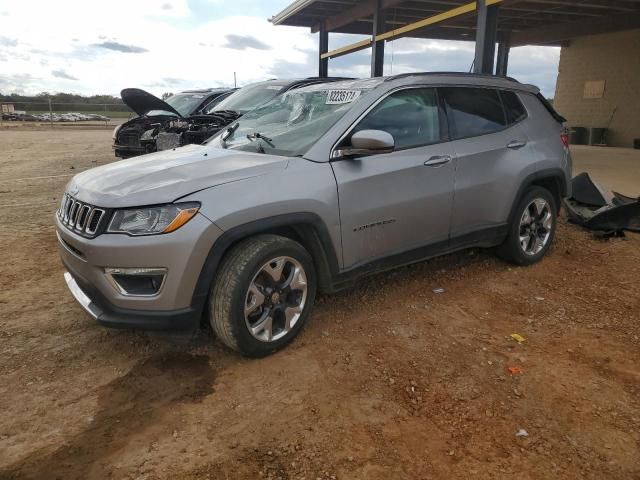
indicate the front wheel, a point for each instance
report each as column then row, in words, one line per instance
column 262, row 294
column 532, row 228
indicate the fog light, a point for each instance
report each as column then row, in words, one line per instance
column 140, row 282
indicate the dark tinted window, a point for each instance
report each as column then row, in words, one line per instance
column 512, row 107
column 410, row 116
column 473, row 111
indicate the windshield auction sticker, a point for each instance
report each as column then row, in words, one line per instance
column 335, row 97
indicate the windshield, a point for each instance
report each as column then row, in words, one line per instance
column 248, row 98
column 289, row 124
column 186, row 103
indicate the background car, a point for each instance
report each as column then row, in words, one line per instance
column 152, row 111
column 169, row 130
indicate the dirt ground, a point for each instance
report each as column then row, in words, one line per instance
column 387, row 381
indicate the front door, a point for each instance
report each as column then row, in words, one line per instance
column 396, row 202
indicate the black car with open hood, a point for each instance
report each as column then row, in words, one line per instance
column 142, row 102
column 162, row 125
column 129, row 138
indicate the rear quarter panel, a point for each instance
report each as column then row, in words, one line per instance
column 544, row 136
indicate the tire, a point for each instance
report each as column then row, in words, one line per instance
column 540, row 232
column 247, row 273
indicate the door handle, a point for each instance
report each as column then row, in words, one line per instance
column 516, row 144
column 438, row 160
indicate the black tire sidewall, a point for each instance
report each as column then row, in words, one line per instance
column 514, row 248
column 247, row 343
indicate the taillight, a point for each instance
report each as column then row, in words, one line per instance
column 564, row 136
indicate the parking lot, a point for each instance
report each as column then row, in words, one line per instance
column 389, row 380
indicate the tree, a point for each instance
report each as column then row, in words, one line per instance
column 166, row 95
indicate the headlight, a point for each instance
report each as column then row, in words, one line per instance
column 152, row 220
column 114, row 135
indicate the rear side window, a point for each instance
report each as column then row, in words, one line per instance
column 513, row 107
column 473, row 111
column 410, row 116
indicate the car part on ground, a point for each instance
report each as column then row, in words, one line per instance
column 311, row 191
column 596, row 209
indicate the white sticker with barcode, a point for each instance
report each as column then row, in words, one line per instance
column 335, row 97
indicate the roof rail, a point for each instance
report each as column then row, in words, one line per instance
column 462, row 74
column 329, row 78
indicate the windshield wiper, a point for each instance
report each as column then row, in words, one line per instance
column 259, row 135
column 227, row 134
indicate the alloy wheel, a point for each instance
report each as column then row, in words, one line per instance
column 275, row 299
column 535, row 226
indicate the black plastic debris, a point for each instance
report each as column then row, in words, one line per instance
column 596, row 209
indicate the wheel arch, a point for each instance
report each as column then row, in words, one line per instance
column 551, row 179
column 306, row 228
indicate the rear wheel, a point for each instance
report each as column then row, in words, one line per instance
column 532, row 228
column 262, row 294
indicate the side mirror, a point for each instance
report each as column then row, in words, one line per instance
column 367, row 142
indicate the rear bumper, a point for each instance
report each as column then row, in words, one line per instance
column 111, row 316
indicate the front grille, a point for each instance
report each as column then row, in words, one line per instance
column 80, row 217
column 129, row 139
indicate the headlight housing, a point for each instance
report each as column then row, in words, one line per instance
column 152, row 220
column 114, row 135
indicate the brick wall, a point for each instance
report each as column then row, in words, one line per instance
column 614, row 58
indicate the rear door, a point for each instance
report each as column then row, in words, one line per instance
column 492, row 150
column 395, row 202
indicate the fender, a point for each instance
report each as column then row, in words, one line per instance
column 309, row 229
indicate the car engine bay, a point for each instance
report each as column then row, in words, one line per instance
column 159, row 133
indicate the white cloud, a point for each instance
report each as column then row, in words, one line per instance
column 163, row 46
column 107, row 33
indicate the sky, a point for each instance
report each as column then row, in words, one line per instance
column 100, row 47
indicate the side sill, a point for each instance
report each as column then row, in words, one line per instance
column 488, row 237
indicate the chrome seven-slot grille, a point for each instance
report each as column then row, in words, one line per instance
column 80, row 217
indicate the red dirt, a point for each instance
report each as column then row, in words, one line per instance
column 388, row 380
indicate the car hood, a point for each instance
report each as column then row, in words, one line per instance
column 164, row 177
column 142, row 102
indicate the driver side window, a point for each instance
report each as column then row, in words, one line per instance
column 410, row 116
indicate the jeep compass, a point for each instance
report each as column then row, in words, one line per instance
column 309, row 192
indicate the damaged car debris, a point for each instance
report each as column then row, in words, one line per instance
column 136, row 136
column 165, row 125
column 596, row 209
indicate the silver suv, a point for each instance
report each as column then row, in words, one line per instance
column 308, row 193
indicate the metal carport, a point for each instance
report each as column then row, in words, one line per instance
column 507, row 23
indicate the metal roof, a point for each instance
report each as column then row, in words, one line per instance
column 542, row 22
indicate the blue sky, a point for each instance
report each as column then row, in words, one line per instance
column 171, row 45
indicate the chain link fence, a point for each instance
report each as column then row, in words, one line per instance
column 64, row 114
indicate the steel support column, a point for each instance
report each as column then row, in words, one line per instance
column 323, row 44
column 377, row 51
column 502, row 62
column 486, row 32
